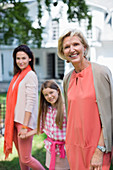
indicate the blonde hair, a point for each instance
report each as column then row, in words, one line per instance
column 43, row 106
column 67, row 33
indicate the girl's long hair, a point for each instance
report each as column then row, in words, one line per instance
column 43, row 106
column 27, row 50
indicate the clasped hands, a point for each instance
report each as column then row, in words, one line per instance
column 22, row 133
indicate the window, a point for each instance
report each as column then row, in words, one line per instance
column 108, row 18
column 37, row 61
column 55, row 27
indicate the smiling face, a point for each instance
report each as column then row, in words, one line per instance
column 73, row 49
column 51, row 95
column 22, row 60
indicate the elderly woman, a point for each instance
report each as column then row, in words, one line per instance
column 88, row 91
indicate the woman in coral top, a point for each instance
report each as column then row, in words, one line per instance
column 88, row 91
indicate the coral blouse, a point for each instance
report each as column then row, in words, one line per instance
column 83, row 126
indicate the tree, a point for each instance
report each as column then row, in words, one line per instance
column 77, row 9
column 16, row 25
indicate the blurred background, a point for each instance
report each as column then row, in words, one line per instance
column 39, row 23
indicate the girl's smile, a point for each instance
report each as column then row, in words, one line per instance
column 51, row 95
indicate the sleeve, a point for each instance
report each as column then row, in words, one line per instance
column 111, row 88
column 31, row 92
column 65, row 93
column 64, row 125
column 65, row 88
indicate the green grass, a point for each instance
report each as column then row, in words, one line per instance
column 3, row 95
column 12, row 163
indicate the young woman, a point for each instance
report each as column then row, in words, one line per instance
column 52, row 121
column 21, row 108
column 88, row 91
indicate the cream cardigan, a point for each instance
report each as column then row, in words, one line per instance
column 103, row 84
column 27, row 99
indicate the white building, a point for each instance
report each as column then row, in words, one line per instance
column 48, row 65
column 102, row 32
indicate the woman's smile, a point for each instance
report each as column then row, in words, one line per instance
column 22, row 60
column 73, row 49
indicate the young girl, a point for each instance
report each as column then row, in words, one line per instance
column 52, row 122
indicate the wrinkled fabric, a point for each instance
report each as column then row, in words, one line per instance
column 83, row 125
column 53, row 154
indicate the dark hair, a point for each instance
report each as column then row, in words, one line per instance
column 43, row 106
column 27, row 50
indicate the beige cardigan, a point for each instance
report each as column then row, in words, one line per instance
column 27, row 99
column 103, row 84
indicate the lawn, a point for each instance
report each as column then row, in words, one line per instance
column 12, row 163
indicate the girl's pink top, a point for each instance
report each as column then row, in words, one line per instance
column 83, row 125
column 52, row 130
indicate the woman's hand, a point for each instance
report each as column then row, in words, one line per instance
column 22, row 133
column 97, row 160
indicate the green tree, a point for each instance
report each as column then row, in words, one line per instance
column 77, row 9
column 15, row 24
